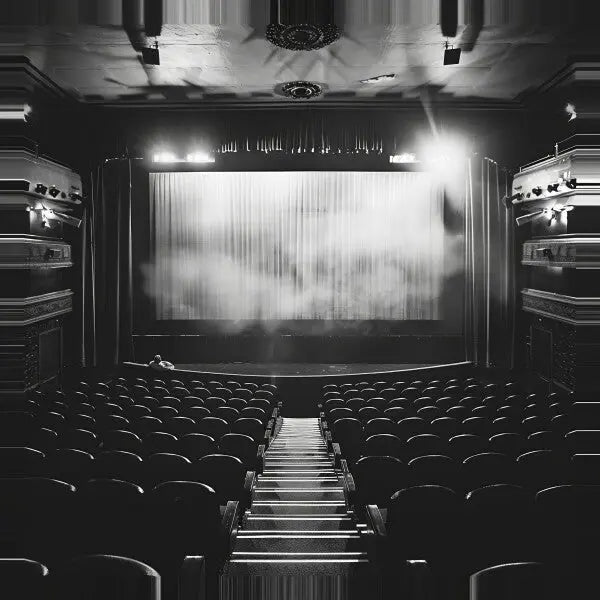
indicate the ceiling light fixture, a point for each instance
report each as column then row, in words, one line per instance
column 537, row 191
column 571, row 183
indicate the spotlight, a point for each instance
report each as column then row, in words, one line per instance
column 40, row 188
column 58, row 216
column 404, row 158
column 151, row 55
column 571, row 183
column 553, row 187
column 570, row 110
column 537, row 191
column 164, row 157
column 379, row 78
column 514, row 199
column 199, row 157
column 524, row 219
column 451, row 55
column 54, row 192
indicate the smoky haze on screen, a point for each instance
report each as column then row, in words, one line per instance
column 246, row 248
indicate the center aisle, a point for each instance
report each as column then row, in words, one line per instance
column 298, row 541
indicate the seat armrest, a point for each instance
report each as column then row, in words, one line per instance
column 266, row 441
column 260, row 458
column 375, row 520
column 337, row 455
column 192, row 579
column 344, row 466
column 274, row 414
column 229, row 525
column 249, row 483
column 349, row 491
column 329, row 441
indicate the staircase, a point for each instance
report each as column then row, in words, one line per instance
column 298, row 541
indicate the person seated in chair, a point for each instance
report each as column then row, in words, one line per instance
column 158, row 364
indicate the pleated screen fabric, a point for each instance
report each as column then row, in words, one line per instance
column 319, row 245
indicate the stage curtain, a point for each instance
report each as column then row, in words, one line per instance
column 490, row 281
column 107, row 266
column 270, row 246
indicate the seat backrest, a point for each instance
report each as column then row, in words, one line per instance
column 160, row 441
column 165, row 466
column 213, row 426
column 98, row 577
column 241, row 446
column 251, row 427
column 380, row 425
column 23, row 579
column 434, row 469
column 378, row 478
column 424, row 444
column 383, row 444
column 196, row 445
column 118, row 464
column 223, row 473
column 21, row 462
column 121, row 440
column 70, row 465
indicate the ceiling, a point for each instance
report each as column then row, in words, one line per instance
column 232, row 61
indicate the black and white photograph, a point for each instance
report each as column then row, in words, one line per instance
column 299, row 299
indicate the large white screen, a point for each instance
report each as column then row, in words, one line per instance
column 262, row 246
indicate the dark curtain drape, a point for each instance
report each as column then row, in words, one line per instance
column 107, row 266
column 490, row 288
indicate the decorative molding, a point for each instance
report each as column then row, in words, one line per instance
column 19, row 312
column 24, row 252
column 571, row 252
column 558, row 307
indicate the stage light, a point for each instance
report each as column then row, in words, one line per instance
column 524, row 219
column 451, row 55
column 514, row 199
column 40, row 188
column 151, row 55
column 537, row 191
column 199, row 157
column 53, row 191
column 570, row 110
column 75, row 196
column 49, row 214
column 379, row 78
column 553, row 187
column 571, row 183
column 165, row 157
column 404, row 158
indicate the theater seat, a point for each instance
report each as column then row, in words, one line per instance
column 245, row 448
column 383, row 444
column 36, row 518
column 196, row 445
column 23, row 579
column 70, row 465
column 488, row 468
column 499, row 525
column 99, row 577
column 512, row 581
column 227, row 476
column 377, row 478
column 21, row 462
column 437, row 470
column 112, row 517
